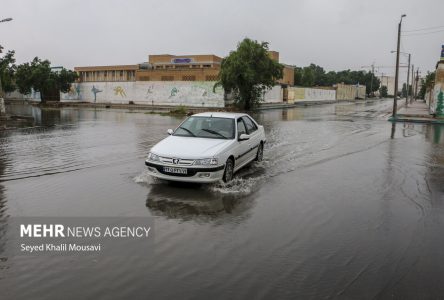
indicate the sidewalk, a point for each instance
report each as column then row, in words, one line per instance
column 416, row 112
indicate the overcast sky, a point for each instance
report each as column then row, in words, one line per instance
column 335, row 34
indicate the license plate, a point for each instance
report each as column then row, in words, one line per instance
column 175, row 170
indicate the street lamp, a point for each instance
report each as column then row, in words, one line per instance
column 395, row 104
column 408, row 75
column 6, row 20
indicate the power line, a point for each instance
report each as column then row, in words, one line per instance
column 425, row 33
column 421, row 29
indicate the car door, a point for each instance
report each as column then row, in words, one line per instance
column 242, row 147
column 253, row 132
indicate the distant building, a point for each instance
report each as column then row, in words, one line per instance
column 166, row 67
column 107, row 73
column 389, row 82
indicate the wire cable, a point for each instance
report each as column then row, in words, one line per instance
column 421, row 29
column 423, row 33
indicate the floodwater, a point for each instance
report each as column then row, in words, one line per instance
column 344, row 206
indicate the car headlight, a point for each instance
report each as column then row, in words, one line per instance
column 205, row 161
column 153, row 157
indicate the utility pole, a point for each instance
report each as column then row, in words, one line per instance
column 407, row 85
column 413, row 79
column 416, row 84
column 371, row 81
column 395, row 94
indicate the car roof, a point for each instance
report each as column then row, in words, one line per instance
column 220, row 115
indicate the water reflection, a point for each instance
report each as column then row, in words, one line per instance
column 438, row 133
column 188, row 201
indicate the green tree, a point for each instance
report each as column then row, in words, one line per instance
column 383, row 92
column 298, row 73
column 427, row 84
column 440, row 105
column 38, row 76
column 308, row 77
column 371, row 82
column 7, row 71
column 248, row 72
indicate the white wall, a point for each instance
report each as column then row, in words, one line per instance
column 319, row 94
column 187, row 93
column 34, row 96
column 297, row 94
column 273, row 95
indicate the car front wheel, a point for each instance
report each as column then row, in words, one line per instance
column 229, row 170
column 260, row 152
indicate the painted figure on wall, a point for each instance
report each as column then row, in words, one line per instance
column 95, row 91
column 149, row 92
column 118, row 90
column 78, row 91
column 174, row 91
column 440, row 105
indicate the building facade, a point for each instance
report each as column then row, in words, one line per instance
column 166, row 67
column 107, row 73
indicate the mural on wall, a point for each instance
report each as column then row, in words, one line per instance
column 153, row 92
column 440, row 104
column 174, row 91
column 95, row 91
column 119, row 91
column 203, row 89
column 78, row 91
column 149, row 92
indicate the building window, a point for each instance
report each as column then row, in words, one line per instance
column 189, row 78
column 182, row 67
column 211, row 78
column 167, row 78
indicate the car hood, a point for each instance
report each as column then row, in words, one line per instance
column 189, row 147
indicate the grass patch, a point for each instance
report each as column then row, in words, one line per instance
column 179, row 110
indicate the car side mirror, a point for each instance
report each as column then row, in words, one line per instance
column 244, row 137
column 170, row 131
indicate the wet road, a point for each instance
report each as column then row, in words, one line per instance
column 344, row 206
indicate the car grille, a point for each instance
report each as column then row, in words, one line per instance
column 180, row 162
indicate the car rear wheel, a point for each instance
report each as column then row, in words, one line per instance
column 229, row 170
column 260, row 152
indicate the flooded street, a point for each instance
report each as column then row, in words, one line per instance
column 344, row 205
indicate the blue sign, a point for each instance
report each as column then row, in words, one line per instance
column 181, row 60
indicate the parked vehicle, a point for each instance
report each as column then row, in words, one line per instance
column 207, row 147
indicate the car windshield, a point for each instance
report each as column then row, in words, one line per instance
column 207, row 127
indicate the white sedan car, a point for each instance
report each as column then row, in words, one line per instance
column 207, row 147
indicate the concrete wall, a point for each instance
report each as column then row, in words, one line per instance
column 174, row 93
column 274, row 95
column 349, row 92
column 33, row 96
column 439, row 86
column 296, row 94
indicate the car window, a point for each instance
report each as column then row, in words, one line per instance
column 251, row 127
column 241, row 127
column 206, row 127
